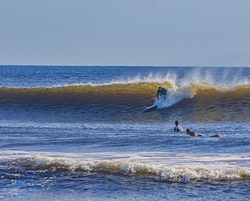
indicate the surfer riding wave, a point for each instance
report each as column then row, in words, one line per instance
column 161, row 92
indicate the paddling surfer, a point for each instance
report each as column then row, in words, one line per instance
column 192, row 133
column 217, row 135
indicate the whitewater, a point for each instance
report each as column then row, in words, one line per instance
column 81, row 133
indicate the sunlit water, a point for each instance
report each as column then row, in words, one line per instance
column 81, row 133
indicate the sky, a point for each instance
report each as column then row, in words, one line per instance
column 125, row 32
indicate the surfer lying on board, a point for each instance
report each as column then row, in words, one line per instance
column 161, row 92
column 191, row 133
column 217, row 135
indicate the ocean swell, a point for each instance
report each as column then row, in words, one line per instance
column 203, row 101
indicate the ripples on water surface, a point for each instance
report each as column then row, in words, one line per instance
column 81, row 133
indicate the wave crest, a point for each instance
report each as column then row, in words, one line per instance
column 165, row 172
column 203, row 101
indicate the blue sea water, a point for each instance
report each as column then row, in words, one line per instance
column 82, row 133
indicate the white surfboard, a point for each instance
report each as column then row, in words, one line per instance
column 151, row 108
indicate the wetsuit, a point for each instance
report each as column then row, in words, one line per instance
column 162, row 92
column 178, row 128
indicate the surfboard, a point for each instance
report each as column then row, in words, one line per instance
column 151, row 108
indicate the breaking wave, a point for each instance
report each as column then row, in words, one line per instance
column 206, row 101
column 54, row 164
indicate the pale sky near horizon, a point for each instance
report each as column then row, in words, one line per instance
column 125, row 32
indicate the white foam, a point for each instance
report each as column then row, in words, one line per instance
column 160, row 164
column 176, row 94
column 136, row 168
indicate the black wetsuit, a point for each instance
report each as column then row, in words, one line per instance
column 162, row 92
column 178, row 128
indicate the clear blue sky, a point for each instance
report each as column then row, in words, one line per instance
column 125, row 32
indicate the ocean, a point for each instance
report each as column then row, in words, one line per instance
column 82, row 133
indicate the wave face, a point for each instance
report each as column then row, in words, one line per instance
column 200, row 102
column 197, row 94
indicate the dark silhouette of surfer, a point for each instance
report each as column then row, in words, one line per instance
column 178, row 127
column 161, row 92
